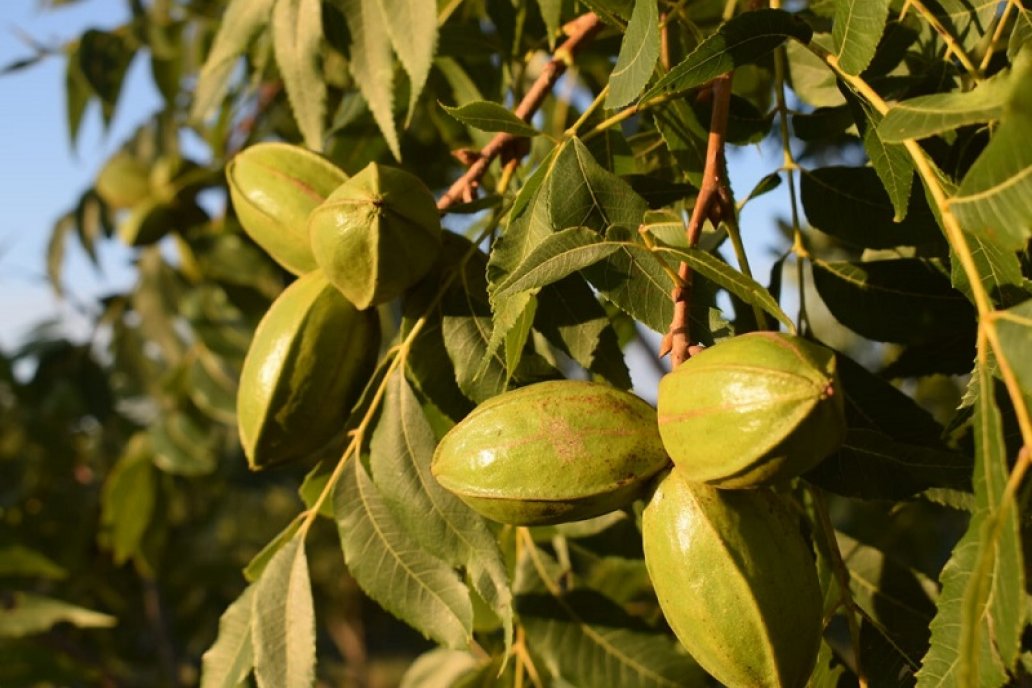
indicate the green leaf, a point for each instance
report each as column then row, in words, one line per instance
column 371, row 64
column 918, row 118
column 127, row 499
column 20, row 561
column 850, row 203
column 895, row 596
column 572, row 319
column 487, row 116
column 906, row 300
column 551, row 13
column 24, row 613
column 582, row 193
column 412, row 27
column 856, row 30
column 466, row 325
column 242, row 21
column 516, row 332
column 297, row 40
column 230, row 659
column 891, row 161
column 995, row 197
column 439, row 668
column 976, row 633
column 726, row 277
column 402, row 447
column 254, row 568
column 78, row 93
column 104, row 58
column 283, row 621
column 738, row 41
column 684, row 136
column 588, row 640
column 557, row 256
column 393, row 569
column 872, row 465
column 1014, row 329
column 1021, row 32
column 634, row 280
column 999, row 271
column 811, row 79
column 639, row 51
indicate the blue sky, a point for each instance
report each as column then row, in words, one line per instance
column 41, row 176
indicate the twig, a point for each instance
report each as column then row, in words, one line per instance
column 580, row 31
column 711, row 203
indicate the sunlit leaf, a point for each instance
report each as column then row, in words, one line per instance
column 230, row 659
column 639, row 51
column 856, row 30
column 1014, row 328
column 283, row 621
column 241, row 23
column 297, row 32
column 372, row 65
column 412, row 27
column 924, row 116
column 402, row 446
column 393, row 569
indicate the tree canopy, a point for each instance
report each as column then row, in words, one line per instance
column 538, row 189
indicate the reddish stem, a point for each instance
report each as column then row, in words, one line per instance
column 580, row 30
column 713, row 202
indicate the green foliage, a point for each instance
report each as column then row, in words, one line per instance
column 136, row 548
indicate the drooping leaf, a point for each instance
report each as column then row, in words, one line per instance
column 400, row 452
column 850, row 203
column 77, row 94
column 1014, row 329
column 995, row 197
column 297, row 32
column 891, row 162
column 856, row 30
column 738, row 41
column 230, row 659
column 639, row 51
column 104, row 58
column 924, row 116
column 283, row 620
column 585, row 638
column 24, row 614
column 371, row 64
column 551, row 13
column 128, row 498
column 905, row 300
column 976, row 632
column 726, row 277
column 898, row 598
column 487, row 116
column 241, row 23
column 466, row 325
column 393, row 569
column 557, row 256
column 412, row 27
